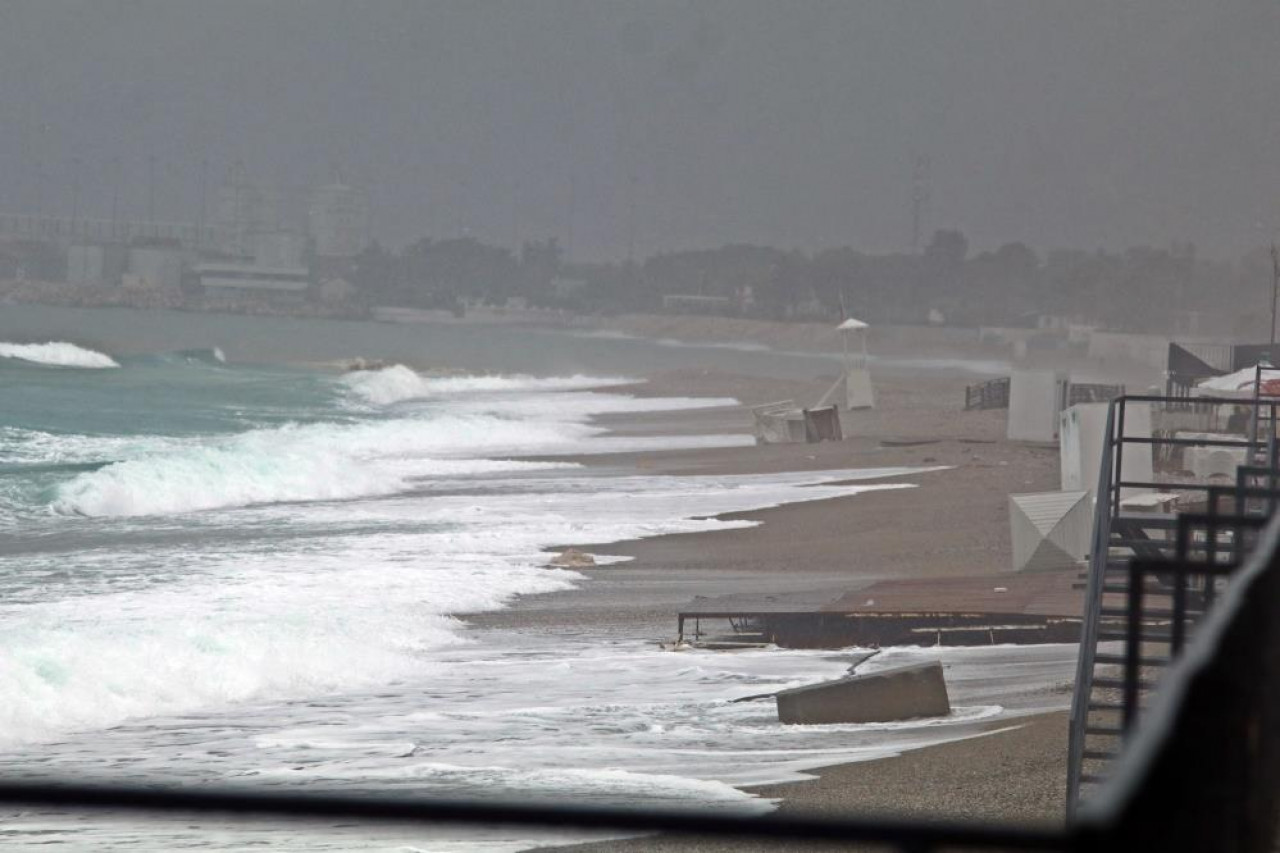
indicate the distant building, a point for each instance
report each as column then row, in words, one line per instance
column 567, row 288
column 336, row 290
column 154, row 268
column 277, row 249
column 689, row 303
column 64, row 231
column 338, row 221
column 91, row 265
column 237, row 279
column 243, row 210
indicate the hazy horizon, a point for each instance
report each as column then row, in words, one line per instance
column 664, row 125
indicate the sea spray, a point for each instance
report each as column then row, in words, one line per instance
column 312, row 462
column 57, row 354
column 483, row 419
column 357, row 595
column 398, row 383
column 245, row 626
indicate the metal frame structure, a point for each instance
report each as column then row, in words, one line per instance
column 1099, row 715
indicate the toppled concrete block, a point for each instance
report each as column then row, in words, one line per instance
column 898, row 693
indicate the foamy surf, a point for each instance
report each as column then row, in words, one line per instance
column 485, row 420
column 57, row 354
column 398, row 383
column 312, row 462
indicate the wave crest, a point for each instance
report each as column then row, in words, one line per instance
column 57, row 354
column 317, row 462
column 398, row 383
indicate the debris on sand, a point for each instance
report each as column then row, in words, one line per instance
column 572, row 558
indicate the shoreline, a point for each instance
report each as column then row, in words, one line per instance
column 962, row 780
column 835, row 543
column 894, row 342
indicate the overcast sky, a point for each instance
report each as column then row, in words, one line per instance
column 672, row 123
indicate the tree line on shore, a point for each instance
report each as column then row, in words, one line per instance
column 1137, row 289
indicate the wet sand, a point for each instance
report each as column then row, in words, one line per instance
column 954, row 522
column 1016, row 775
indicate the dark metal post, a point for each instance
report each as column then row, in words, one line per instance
column 1178, row 627
column 1133, row 646
column 1118, row 438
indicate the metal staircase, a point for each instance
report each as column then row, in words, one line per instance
column 1140, row 607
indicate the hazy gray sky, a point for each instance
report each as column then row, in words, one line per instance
column 1082, row 124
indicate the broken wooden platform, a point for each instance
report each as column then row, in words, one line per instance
column 1025, row 608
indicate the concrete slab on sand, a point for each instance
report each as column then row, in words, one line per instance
column 897, row 693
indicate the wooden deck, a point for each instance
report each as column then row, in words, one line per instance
column 1022, row 608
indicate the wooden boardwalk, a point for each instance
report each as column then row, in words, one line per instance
column 1022, row 608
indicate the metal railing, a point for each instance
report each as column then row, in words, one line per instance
column 1200, row 767
column 1097, row 721
column 992, row 394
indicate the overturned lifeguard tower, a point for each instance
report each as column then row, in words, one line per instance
column 784, row 422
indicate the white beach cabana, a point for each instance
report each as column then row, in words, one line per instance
column 1034, row 399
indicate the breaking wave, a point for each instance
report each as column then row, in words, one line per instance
column 398, row 383
column 291, row 624
column 315, row 462
column 57, row 354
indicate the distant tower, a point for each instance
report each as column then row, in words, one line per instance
column 921, row 190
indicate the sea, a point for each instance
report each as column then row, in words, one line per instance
column 227, row 561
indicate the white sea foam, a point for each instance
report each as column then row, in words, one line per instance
column 737, row 346
column 618, row 335
column 580, row 785
column 398, row 383
column 314, row 462
column 57, row 354
column 334, row 461
column 231, row 622
column 243, row 626
column 38, row 447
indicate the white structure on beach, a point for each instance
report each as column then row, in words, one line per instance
column 1033, row 405
column 853, row 389
column 1050, row 530
column 1083, row 435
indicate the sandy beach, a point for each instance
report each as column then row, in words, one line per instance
column 1014, row 775
column 954, row 522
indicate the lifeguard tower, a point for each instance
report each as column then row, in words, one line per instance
column 853, row 389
